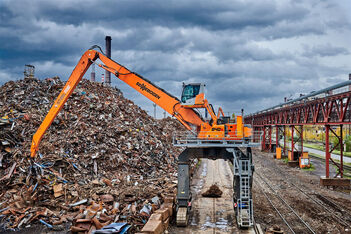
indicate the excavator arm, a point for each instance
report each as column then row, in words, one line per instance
column 157, row 95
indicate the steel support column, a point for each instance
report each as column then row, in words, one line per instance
column 276, row 136
column 341, row 153
column 292, row 141
column 263, row 143
column 327, row 152
column 284, row 133
column 270, row 138
column 301, row 140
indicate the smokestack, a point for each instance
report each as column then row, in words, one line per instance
column 349, row 79
column 92, row 74
column 108, row 54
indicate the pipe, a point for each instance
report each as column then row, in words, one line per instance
column 326, row 90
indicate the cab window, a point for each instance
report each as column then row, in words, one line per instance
column 190, row 91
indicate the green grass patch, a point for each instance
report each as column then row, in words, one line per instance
column 285, row 160
column 347, row 154
column 312, row 168
column 198, row 163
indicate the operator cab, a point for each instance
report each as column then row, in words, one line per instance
column 193, row 93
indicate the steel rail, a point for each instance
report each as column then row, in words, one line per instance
column 297, row 215
column 340, row 220
column 341, row 209
column 270, row 201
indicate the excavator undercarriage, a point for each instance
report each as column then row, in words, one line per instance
column 242, row 177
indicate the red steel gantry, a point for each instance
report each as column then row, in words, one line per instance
column 317, row 108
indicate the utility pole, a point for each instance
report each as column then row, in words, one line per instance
column 154, row 110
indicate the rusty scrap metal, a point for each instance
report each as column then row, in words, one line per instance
column 103, row 159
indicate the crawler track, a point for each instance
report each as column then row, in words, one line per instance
column 289, row 216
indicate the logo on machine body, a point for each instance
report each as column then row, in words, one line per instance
column 143, row 87
column 216, row 129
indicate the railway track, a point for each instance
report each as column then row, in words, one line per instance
column 289, row 216
column 336, row 211
column 339, row 214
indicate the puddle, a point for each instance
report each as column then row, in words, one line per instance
column 198, row 187
column 204, row 169
column 222, row 224
column 200, row 184
column 208, row 223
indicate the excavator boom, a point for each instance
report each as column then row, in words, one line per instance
column 157, row 95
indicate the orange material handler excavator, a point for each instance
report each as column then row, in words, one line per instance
column 192, row 98
column 217, row 137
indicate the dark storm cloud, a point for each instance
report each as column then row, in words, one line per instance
column 250, row 53
column 214, row 15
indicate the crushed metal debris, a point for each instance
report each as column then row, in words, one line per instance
column 103, row 160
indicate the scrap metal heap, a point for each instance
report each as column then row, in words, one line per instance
column 219, row 137
column 101, row 151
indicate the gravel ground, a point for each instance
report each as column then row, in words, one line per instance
column 281, row 178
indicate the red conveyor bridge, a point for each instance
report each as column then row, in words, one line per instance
column 328, row 107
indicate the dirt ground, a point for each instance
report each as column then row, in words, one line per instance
column 281, row 177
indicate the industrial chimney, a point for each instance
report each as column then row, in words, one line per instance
column 108, row 54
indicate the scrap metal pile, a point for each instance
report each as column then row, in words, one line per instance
column 103, row 159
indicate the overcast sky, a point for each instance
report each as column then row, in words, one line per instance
column 251, row 54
